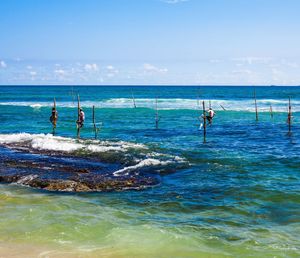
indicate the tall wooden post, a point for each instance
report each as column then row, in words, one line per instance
column 290, row 117
column 271, row 111
column 133, row 99
column 256, row 112
column 78, row 117
column 222, row 107
column 209, row 103
column 73, row 95
column 94, row 123
column 156, row 114
column 54, row 121
column 204, row 122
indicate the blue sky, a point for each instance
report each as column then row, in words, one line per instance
column 181, row 42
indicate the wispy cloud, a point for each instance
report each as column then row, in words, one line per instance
column 112, row 71
column 173, row 1
column 91, row 67
column 2, row 64
column 252, row 60
column 149, row 68
column 60, row 72
column 215, row 61
column 242, row 72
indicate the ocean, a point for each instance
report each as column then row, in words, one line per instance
column 162, row 192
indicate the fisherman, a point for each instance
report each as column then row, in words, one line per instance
column 210, row 115
column 81, row 118
column 54, row 116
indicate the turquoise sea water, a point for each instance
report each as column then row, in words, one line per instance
column 238, row 195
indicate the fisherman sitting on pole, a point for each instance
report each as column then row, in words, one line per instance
column 210, row 115
column 81, row 118
column 53, row 117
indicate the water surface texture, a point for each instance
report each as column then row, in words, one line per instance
column 238, row 195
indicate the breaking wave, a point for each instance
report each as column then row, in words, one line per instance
column 56, row 143
column 174, row 103
column 133, row 157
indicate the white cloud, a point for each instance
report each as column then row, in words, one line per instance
column 251, row 60
column 60, row 72
column 110, row 75
column 29, row 67
column 3, row 64
column 215, row 61
column 33, row 73
column 112, row 71
column 110, row 67
column 149, row 68
column 244, row 71
column 91, row 67
column 173, row 1
column 289, row 64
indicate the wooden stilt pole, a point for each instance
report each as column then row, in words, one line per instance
column 209, row 104
column 78, row 118
column 198, row 103
column 73, row 94
column 204, row 122
column 54, row 118
column 133, row 100
column 156, row 115
column 256, row 112
column 271, row 111
column 198, row 100
column 222, row 107
column 290, row 117
column 94, row 123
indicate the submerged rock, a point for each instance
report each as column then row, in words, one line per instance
column 64, row 164
column 67, row 173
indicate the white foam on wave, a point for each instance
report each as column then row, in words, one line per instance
column 37, row 106
column 279, row 105
column 49, row 142
column 57, row 143
column 26, row 179
column 153, row 159
column 144, row 163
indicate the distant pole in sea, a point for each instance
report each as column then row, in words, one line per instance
column 54, row 121
column 198, row 99
column 73, row 95
column 78, row 119
column 198, row 103
column 222, row 107
column 290, row 117
column 156, row 114
column 256, row 112
column 204, row 122
column 94, row 123
column 133, row 99
column 271, row 111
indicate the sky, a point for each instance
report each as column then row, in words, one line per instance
column 149, row 42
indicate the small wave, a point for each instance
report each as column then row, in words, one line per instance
column 36, row 106
column 141, row 164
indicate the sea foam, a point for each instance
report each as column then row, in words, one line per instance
column 173, row 104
